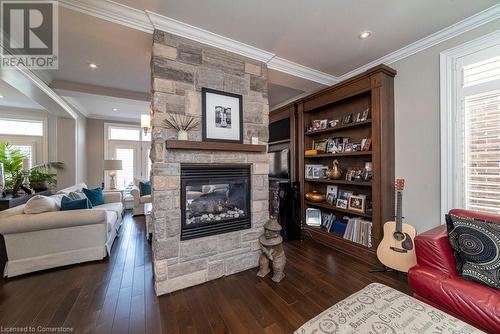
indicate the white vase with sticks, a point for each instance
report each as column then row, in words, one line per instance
column 181, row 123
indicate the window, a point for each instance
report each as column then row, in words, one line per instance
column 21, row 127
column 26, row 135
column 125, row 176
column 116, row 133
column 470, row 126
column 129, row 144
column 27, row 150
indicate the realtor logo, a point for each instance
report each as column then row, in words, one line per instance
column 29, row 35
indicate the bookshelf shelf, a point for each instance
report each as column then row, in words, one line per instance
column 372, row 90
column 341, row 182
column 336, row 241
column 335, row 155
column 333, row 208
column 338, row 128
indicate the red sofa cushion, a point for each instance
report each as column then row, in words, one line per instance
column 477, row 303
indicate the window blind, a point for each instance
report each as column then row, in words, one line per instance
column 482, row 151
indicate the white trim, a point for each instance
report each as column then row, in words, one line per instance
column 111, row 11
column 182, row 29
column 297, row 70
column 467, row 24
column 450, row 91
column 47, row 90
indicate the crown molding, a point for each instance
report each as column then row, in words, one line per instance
column 185, row 30
column 111, row 11
column 297, row 70
column 467, row 24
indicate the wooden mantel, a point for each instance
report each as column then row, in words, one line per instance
column 214, row 146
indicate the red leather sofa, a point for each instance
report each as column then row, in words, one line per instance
column 434, row 280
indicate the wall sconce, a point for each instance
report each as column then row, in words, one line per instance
column 145, row 123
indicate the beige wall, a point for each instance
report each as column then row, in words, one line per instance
column 66, row 151
column 417, row 109
column 95, row 150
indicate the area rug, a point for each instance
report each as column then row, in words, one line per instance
column 379, row 309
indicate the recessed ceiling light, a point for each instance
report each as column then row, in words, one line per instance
column 1, row 96
column 115, row 109
column 92, row 65
column 365, row 34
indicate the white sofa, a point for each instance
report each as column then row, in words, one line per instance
column 53, row 239
column 139, row 200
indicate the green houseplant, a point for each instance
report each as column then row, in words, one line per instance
column 41, row 176
column 12, row 160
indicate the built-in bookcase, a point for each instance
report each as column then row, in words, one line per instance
column 371, row 90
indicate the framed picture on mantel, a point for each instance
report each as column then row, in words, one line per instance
column 222, row 116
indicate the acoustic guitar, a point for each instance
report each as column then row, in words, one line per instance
column 397, row 249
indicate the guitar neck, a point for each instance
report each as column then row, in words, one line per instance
column 399, row 211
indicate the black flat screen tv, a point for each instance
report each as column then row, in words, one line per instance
column 279, row 166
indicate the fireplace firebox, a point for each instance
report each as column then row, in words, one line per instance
column 215, row 199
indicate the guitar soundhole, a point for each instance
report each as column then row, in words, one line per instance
column 399, row 236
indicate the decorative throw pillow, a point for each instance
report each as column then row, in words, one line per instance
column 77, row 204
column 76, row 195
column 477, row 249
column 39, row 204
column 95, row 196
column 145, row 188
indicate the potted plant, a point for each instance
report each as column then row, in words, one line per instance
column 41, row 176
column 12, row 160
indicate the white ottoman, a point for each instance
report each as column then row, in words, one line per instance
column 379, row 309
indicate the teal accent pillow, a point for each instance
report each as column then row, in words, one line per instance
column 95, row 196
column 145, row 188
column 76, row 195
column 77, row 204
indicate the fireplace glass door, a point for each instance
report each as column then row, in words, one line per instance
column 215, row 199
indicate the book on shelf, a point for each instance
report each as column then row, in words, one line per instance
column 359, row 230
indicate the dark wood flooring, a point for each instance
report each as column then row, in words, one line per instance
column 117, row 296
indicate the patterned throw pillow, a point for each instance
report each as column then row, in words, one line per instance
column 75, row 195
column 477, row 249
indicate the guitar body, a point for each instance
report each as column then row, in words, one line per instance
column 397, row 249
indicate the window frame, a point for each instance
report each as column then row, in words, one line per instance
column 39, row 144
column 140, row 147
column 450, row 101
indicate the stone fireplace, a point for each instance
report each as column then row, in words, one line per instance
column 205, row 226
column 215, row 199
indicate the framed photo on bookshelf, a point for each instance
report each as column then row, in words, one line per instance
column 331, row 194
column 320, row 145
column 366, row 144
column 345, row 194
column 313, row 217
column 341, row 203
column 356, row 203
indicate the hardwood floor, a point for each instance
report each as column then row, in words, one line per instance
column 117, row 296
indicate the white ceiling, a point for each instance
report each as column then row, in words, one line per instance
column 12, row 98
column 322, row 35
column 100, row 106
column 319, row 34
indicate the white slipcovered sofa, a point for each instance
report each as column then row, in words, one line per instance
column 139, row 200
column 58, row 238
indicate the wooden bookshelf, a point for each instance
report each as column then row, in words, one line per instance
column 342, row 182
column 345, row 154
column 330, row 207
column 339, row 127
column 374, row 90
